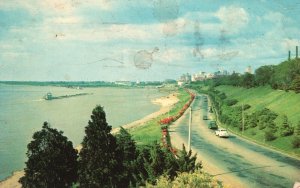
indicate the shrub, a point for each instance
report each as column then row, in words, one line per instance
column 230, row 102
column 296, row 142
column 269, row 135
column 191, row 180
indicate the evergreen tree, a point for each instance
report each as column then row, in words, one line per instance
column 297, row 130
column 98, row 165
column 155, row 165
column 52, row 160
column 187, row 162
column 285, row 129
column 127, row 154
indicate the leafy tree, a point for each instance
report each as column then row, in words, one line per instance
column 263, row 74
column 127, row 154
column 285, row 129
column 296, row 84
column 52, row 160
column 98, row 164
column 248, row 80
column 235, row 79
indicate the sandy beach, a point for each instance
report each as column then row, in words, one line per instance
column 165, row 102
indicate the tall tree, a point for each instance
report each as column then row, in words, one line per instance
column 98, row 165
column 187, row 162
column 127, row 154
column 296, row 84
column 263, row 74
column 248, row 80
column 52, row 160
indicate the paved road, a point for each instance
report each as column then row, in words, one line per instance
column 237, row 162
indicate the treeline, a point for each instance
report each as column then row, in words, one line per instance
column 238, row 118
column 105, row 160
column 285, row 76
column 73, row 84
column 81, row 84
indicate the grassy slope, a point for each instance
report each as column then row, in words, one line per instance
column 151, row 130
column 281, row 102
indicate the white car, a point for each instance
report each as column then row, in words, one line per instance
column 222, row 133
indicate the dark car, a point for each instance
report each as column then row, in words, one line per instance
column 212, row 125
column 205, row 117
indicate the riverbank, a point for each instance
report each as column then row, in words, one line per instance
column 165, row 102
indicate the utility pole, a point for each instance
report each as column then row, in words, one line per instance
column 243, row 120
column 190, row 124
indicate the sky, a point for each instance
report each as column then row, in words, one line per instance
column 145, row 40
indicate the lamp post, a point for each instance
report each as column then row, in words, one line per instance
column 190, row 124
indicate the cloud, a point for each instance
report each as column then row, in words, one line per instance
column 57, row 6
column 232, row 18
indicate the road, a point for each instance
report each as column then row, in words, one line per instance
column 235, row 161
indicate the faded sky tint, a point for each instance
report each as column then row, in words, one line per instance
column 71, row 40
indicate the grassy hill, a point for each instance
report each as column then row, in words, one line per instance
column 280, row 102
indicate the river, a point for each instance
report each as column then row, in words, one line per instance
column 23, row 111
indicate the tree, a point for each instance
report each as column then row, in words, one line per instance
column 263, row 74
column 248, row 80
column 285, row 128
column 235, row 79
column 52, row 160
column 269, row 135
column 127, row 154
column 296, row 84
column 98, row 165
column 187, row 162
column 297, row 129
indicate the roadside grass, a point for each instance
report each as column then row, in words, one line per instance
column 281, row 102
column 150, row 131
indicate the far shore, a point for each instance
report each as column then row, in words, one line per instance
column 166, row 104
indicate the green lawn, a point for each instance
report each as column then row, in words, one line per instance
column 151, row 130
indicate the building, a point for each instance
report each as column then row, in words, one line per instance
column 249, row 70
column 184, row 79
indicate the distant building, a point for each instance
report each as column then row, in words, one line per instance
column 249, row 70
column 123, row 83
column 184, row 79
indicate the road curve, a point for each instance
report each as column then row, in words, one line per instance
column 235, row 161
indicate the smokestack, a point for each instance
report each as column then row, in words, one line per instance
column 296, row 52
column 289, row 55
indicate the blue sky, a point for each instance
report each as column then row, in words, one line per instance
column 112, row 40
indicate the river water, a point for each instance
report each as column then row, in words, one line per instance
column 23, row 111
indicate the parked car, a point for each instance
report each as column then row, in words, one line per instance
column 222, row 133
column 205, row 117
column 212, row 125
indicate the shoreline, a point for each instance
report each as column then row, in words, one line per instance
column 165, row 102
